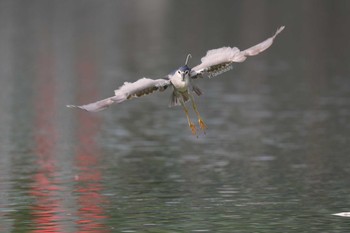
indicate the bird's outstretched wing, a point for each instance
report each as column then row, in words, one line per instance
column 127, row 91
column 218, row 61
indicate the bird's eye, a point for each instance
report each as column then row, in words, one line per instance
column 178, row 72
column 186, row 72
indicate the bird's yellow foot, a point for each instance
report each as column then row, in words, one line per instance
column 202, row 125
column 193, row 128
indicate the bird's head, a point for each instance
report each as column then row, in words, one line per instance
column 185, row 71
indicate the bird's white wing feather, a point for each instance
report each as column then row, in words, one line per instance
column 217, row 61
column 127, row 91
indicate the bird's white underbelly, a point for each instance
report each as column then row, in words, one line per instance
column 179, row 83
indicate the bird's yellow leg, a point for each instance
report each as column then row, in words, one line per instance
column 190, row 123
column 201, row 123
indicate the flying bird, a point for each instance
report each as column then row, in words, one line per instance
column 215, row 62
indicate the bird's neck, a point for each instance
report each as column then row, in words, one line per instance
column 180, row 83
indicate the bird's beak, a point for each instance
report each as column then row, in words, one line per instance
column 183, row 76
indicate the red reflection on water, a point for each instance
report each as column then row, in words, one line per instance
column 48, row 211
column 47, row 206
column 89, row 178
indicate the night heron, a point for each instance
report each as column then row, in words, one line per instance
column 215, row 62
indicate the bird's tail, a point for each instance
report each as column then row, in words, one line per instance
column 176, row 98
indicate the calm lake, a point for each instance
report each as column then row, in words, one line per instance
column 275, row 156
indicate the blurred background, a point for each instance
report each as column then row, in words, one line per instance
column 275, row 157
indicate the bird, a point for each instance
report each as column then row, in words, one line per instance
column 214, row 63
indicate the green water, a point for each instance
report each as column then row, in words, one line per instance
column 275, row 156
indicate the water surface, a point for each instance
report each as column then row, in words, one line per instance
column 274, row 157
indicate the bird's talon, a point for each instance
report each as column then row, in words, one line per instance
column 193, row 129
column 202, row 125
